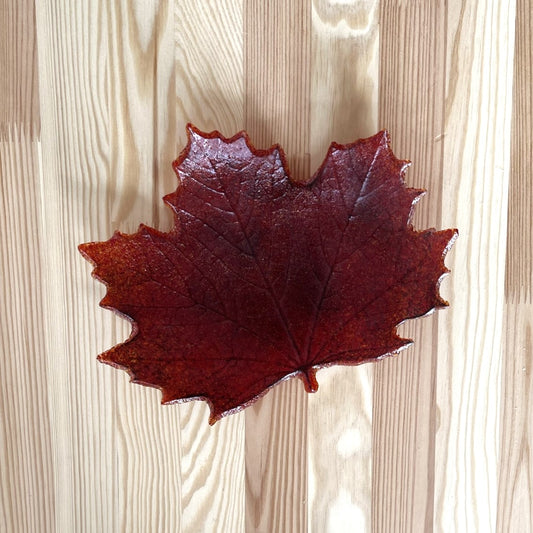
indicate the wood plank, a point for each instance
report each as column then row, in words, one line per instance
column 437, row 439
column 142, row 143
column 142, row 111
column 344, row 107
column 277, row 55
column 209, row 66
column 19, row 104
column 74, row 156
column 209, row 93
column 480, row 45
column 515, row 482
column 26, row 487
column 112, row 446
column 26, row 496
column 515, row 506
column 411, row 105
column 519, row 265
column 276, row 109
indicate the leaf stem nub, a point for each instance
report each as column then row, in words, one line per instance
column 308, row 376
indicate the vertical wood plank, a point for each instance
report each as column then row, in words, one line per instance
column 480, row 46
column 276, row 106
column 142, row 110
column 19, row 103
column 72, row 55
column 344, row 107
column 411, row 105
column 110, row 449
column 344, row 73
column 26, row 482
column 209, row 93
column 515, row 483
column 519, row 265
column 442, row 433
column 277, row 54
column 209, row 66
column 142, row 144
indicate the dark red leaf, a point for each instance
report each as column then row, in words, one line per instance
column 262, row 278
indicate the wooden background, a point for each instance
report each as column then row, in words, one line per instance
column 94, row 98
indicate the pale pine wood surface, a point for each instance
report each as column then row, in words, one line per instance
column 404, row 410
column 515, row 481
column 209, row 93
column 343, row 106
column 277, row 44
column 479, row 64
column 95, row 98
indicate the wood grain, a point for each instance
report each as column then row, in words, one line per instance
column 515, row 507
column 26, row 501
column 277, row 50
column 74, row 153
column 515, row 483
column 480, row 46
column 142, row 141
column 519, row 257
column 277, row 55
column 411, row 107
column 99, row 422
column 209, row 93
column 209, row 66
column 19, row 104
column 344, row 107
column 95, row 98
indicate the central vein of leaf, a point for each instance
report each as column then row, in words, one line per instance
column 268, row 285
column 325, row 285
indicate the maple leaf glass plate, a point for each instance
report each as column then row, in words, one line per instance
column 262, row 278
